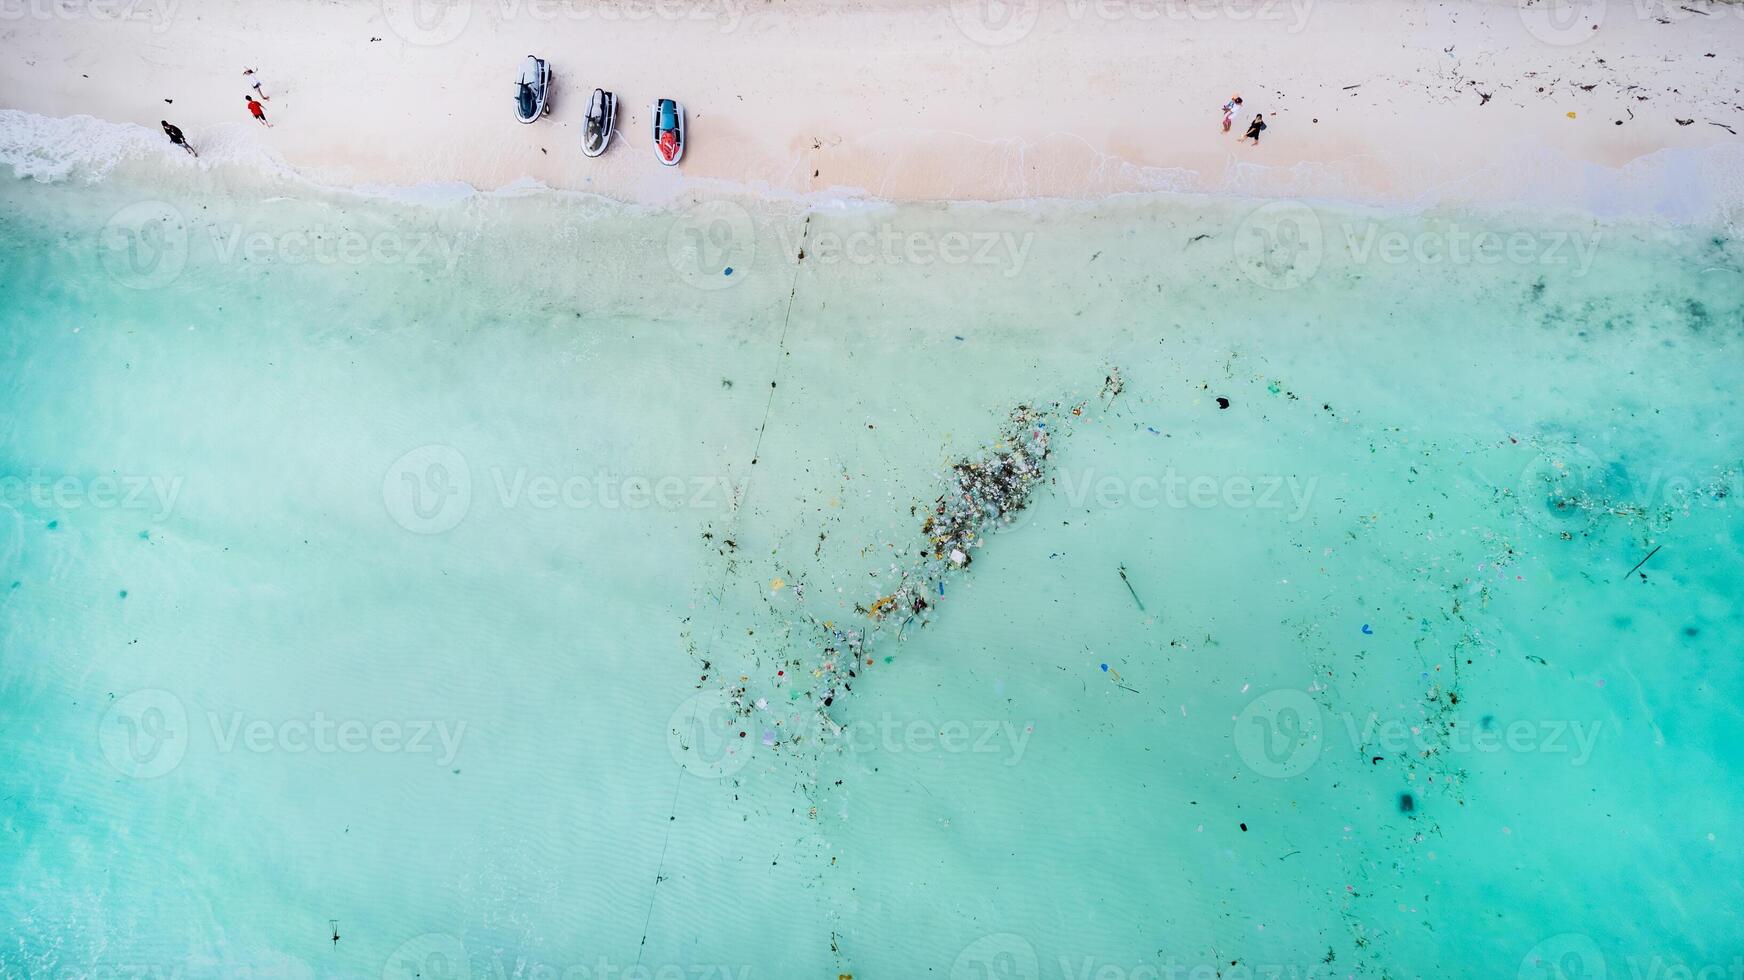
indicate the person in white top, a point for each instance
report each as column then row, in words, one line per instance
column 254, row 82
column 1229, row 110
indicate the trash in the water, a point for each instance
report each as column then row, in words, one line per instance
column 1222, row 402
column 1368, row 630
column 1130, row 589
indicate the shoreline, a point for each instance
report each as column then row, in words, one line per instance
column 945, row 112
column 1629, row 197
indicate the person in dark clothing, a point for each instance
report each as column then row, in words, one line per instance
column 1255, row 128
column 175, row 134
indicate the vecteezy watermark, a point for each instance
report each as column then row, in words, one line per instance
column 1570, row 956
column 1174, row 490
column 997, row 23
column 1282, row 733
column 1283, row 244
column 1000, row 956
column 430, row 490
column 1561, row 488
column 428, row 23
column 1177, row 968
column 1279, row 245
column 153, row 495
column 709, row 734
column 1575, row 956
column 441, row 956
column 144, row 245
column 146, row 734
column 11, row 539
column 1454, row 244
column 712, row 245
column 147, row 244
column 234, row 731
column 157, row 13
column 118, row 965
column 1564, row 23
column 1565, row 488
column 335, row 246
column 885, row 244
column 999, row 737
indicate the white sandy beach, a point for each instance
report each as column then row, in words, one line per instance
column 1372, row 102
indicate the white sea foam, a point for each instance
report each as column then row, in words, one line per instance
column 45, row 148
column 1683, row 186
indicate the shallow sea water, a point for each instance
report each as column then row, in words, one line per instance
column 465, row 577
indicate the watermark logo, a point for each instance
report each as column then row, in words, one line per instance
column 712, row 245
column 157, row 13
column 432, row 956
column 335, row 246
column 154, row 495
column 1170, row 489
column 144, row 735
column 147, row 733
column 1455, row 244
column 427, row 23
column 1563, row 23
column 996, row 23
column 1675, row 11
column 886, row 244
column 918, row 736
column 11, row 542
column 440, row 956
column 330, row 736
column 144, row 245
column 1176, row 968
column 709, row 735
column 431, row 489
column 1280, row 245
column 1561, row 488
column 428, row 490
column 1570, row 956
column 1001, row 956
column 1280, row 733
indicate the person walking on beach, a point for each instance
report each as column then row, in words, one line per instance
column 1255, row 128
column 174, row 132
column 254, row 81
column 258, row 110
column 1230, row 108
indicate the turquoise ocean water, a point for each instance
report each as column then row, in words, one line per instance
column 467, row 578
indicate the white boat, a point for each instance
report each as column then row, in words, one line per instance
column 533, row 89
column 602, row 115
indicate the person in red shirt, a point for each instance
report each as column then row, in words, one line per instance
column 258, row 110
